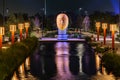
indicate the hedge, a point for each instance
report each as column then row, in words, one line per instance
column 12, row 57
column 111, row 61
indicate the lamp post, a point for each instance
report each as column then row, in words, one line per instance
column 2, row 32
column 27, row 25
column 104, row 27
column 12, row 30
column 113, row 29
column 20, row 27
column 98, row 27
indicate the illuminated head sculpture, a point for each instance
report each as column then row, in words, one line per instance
column 62, row 21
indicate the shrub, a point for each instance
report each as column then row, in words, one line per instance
column 88, row 39
column 111, row 62
column 11, row 58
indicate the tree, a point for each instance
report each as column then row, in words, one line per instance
column 1, row 20
column 20, row 18
column 11, row 20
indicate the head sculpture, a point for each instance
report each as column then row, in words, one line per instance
column 62, row 21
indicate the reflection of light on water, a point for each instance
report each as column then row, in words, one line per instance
column 97, row 63
column 27, row 63
column 62, row 61
column 104, row 70
column 80, row 49
column 14, row 76
column 22, row 71
column 62, row 48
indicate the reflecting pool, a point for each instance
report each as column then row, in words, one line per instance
column 58, row 61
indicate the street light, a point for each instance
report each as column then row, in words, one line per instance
column 2, row 32
column 27, row 25
column 12, row 30
column 104, row 27
column 98, row 27
column 20, row 27
column 113, row 28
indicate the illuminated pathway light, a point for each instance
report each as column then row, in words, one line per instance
column 104, row 27
column 98, row 27
column 2, row 32
column 12, row 30
column 20, row 27
column 113, row 29
column 27, row 25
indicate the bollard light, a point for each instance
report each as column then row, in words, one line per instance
column 98, row 28
column 20, row 27
column 27, row 25
column 113, row 28
column 104, row 27
column 2, row 32
column 12, row 30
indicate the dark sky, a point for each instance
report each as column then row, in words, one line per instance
column 55, row 6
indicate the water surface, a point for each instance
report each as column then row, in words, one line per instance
column 59, row 61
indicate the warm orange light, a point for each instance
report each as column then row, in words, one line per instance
column 98, row 24
column 113, row 28
column 97, row 59
column 0, row 41
column 27, row 25
column 62, row 21
column 12, row 29
column 2, row 32
column 104, row 26
column 14, row 76
column 98, row 27
column 20, row 26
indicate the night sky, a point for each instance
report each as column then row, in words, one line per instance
column 54, row 6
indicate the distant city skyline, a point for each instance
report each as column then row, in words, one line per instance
column 54, row 6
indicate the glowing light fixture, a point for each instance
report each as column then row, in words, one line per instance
column 20, row 27
column 2, row 32
column 27, row 25
column 113, row 28
column 104, row 27
column 12, row 30
column 98, row 27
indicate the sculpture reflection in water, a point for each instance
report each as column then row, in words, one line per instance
column 62, row 61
